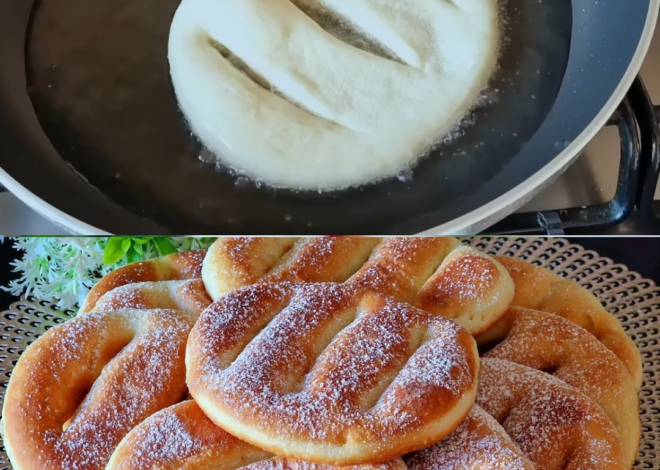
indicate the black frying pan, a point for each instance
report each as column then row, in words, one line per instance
column 99, row 137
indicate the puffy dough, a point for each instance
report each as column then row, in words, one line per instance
column 478, row 443
column 269, row 90
column 81, row 387
column 540, row 289
column 175, row 267
column 188, row 296
column 326, row 373
column 436, row 274
column 550, row 343
column 182, row 437
column 555, row 425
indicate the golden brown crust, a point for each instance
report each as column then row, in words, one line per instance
column 234, row 262
column 478, row 443
column 279, row 366
column 434, row 273
column 322, row 259
column 175, row 267
column 109, row 371
column 182, row 437
column 539, row 289
column 549, row 343
column 188, row 296
column 399, row 267
column 554, row 424
column 470, row 288
column 291, row 464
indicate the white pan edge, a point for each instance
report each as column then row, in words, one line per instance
column 468, row 224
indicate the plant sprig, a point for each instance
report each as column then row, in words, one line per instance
column 63, row 269
column 132, row 248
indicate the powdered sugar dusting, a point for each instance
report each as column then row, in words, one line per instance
column 188, row 265
column 168, row 440
column 400, row 266
column 554, row 424
column 480, row 442
column 322, row 259
column 189, row 296
column 181, row 436
column 550, row 343
column 324, row 371
column 285, row 464
column 143, row 377
column 436, row 274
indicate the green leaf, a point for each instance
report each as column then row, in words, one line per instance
column 164, row 246
column 126, row 245
column 132, row 256
column 142, row 240
column 113, row 251
column 138, row 249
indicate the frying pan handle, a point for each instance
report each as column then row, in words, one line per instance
column 620, row 208
column 647, row 118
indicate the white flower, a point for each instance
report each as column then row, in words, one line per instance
column 64, row 269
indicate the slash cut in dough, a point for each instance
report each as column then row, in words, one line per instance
column 275, row 94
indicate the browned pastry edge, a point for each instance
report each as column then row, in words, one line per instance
column 395, row 267
column 540, row 289
column 175, row 267
column 552, row 344
column 278, row 366
column 182, row 436
column 555, row 425
column 189, row 296
column 437, row 274
column 103, row 374
column 478, row 443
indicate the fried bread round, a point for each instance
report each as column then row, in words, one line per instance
column 182, row 437
column 555, row 425
column 81, row 387
column 552, row 344
column 188, row 296
column 436, row 274
column 478, row 443
column 330, row 374
column 175, row 267
column 541, row 289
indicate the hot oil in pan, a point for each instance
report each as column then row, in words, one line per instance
column 99, row 82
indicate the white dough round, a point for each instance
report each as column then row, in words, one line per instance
column 316, row 112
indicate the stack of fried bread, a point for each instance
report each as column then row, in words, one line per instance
column 283, row 353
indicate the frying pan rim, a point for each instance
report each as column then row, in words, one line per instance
column 470, row 223
column 489, row 214
column 47, row 210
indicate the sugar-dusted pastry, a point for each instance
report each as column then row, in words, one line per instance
column 437, row 274
column 81, row 387
column 478, row 443
column 175, row 267
column 541, row 289
column 555, row 425
column 552, row 344
column 327, row 94
column 327, row 373
column 182, row 437
column 189, row 296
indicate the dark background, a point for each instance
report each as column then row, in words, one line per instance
column 7, row 254
column 639, row 254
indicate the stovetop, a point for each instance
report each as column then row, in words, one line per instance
column 595, row 179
